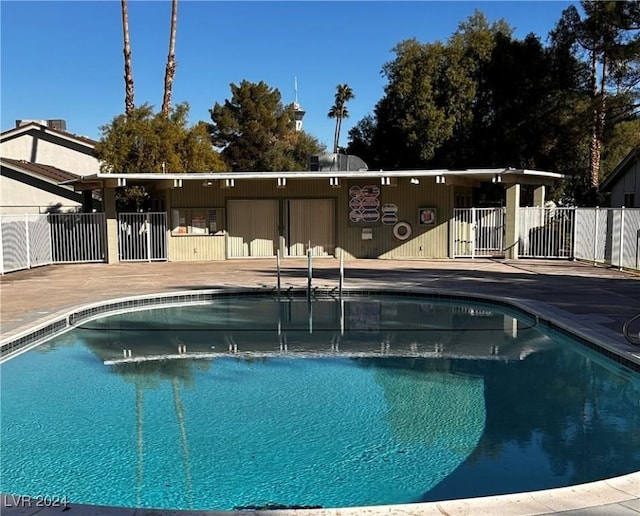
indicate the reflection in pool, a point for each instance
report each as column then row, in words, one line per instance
column 247, row 402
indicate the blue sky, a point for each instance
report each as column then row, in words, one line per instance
column 64, row 59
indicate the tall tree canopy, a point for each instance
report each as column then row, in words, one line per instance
column 146, row 141
column 430, row 96
column 257, row 132
column 339, row 110
column 609, row 34
column 485, row 99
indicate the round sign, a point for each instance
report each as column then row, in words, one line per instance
column 402, row 230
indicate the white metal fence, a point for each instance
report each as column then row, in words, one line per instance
column 142, row 237
column 78, row 237
column 608, row 235
column 602, row 235
column 33, row 240
column 478, row 232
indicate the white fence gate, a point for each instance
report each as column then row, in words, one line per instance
column 142, row 237
column 546, row 232
column 478, row 232
column 32, row 240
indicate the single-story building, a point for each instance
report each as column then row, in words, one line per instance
column 622, row 186
column 361, row 213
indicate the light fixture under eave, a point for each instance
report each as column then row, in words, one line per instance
column 414, row 181
column 282, row 182
column 334, row 182
column 497, row 178
column 440, row 180
column 207, row 184
column 227, row 183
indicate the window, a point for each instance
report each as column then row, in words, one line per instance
column 629, row 200
column 197, row 221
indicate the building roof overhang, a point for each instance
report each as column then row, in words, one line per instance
column 31, row 126
column 48, row 173
column 441, row 176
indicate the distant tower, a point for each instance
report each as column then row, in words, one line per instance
column 298, row 111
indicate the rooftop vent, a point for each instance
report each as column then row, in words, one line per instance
column 336, row 163
column 57, row 124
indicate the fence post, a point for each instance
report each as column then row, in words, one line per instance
column 621, row 238
column 595, row 236
column 148, row 227
column 26, row 239
column 473, row 233
column 1, row 248
column 574, row 229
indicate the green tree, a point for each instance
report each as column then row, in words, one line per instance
column 257, row 132
column 360, row 141
column 339, row 110
column 430, row 96
column 624, row 137
column 609, row 33
column 146, row 141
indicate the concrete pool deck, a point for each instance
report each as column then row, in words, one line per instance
column 593, row 301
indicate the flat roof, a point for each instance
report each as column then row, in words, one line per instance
column 479, row 174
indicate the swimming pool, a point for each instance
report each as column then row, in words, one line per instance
column 247, row 402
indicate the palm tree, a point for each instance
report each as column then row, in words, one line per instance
column 128, row 75
column 339, row 110
column 170, row 71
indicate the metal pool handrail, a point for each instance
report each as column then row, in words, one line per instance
column 626, row 330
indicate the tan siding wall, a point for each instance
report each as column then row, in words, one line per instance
column 425, row 241
column 195, row 248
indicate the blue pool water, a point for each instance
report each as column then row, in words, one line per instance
column 366, row 402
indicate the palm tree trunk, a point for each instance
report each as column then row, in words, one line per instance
column 128, row 75
column 186, row 462
column 335, row 136
column 140, row 441
column 601, row 119
column 594, row 144
column 171, row 61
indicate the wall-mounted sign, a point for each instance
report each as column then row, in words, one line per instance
column 364, row 204
column 427, row 216
column 389, row 214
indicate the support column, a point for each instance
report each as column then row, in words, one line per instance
column 539, row 195
column 511, row 222
column 111, row 218
column 87, row 201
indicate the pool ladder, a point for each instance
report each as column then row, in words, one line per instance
column 628, row 334
column 310, row 273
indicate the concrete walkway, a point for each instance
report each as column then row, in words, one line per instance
column 591, row 300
